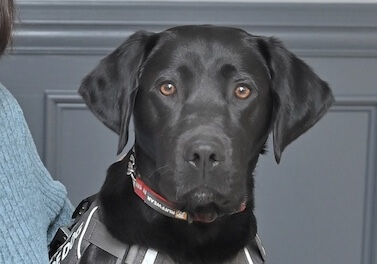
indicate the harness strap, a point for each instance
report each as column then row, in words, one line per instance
column 98, row 235
column 254, row 252
column 143, row 255
column 132, row 254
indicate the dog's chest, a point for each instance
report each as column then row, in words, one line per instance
column 248, row 255
column 89, row 233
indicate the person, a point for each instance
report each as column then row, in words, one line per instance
column 32, row 204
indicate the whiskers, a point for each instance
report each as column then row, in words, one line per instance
column 161, row 170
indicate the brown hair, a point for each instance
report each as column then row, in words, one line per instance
column 7, row 13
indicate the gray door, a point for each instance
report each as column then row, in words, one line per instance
column 317, row 206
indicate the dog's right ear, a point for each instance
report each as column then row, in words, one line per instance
column 110, row 89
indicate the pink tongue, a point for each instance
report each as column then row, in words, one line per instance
column 205, row 218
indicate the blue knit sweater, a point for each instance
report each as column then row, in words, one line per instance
column 32, row 204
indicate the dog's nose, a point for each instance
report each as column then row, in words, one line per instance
column 204, row 154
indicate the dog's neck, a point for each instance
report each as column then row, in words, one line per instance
column 130, row 220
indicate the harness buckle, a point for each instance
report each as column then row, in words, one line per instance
column 60, row 237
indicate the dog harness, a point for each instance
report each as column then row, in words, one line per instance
column 70, row 243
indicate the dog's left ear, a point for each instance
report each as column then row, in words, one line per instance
column 110, row 89
column 301, row 98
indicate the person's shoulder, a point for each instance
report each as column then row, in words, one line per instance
column 7, row 101
column 6, row 98
column 10, row 110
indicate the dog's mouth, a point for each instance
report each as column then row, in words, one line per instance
column 205, row 204
column 210, row 217
column 204, row 214
column 210, row 213
column 204, row 217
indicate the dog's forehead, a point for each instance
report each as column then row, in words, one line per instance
column 206, row 49
column 210, row 33
column 205, row 42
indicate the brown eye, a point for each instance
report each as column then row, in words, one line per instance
column 167, row 89
column 242, row 92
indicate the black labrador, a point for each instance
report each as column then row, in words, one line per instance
column 204, row 100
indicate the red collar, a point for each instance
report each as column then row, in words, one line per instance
column 156, row 201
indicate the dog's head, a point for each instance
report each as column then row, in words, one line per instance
column 204, row 100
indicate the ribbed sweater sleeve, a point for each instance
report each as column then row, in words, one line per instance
column 32, row 204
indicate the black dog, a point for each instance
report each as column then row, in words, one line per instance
column 204, row 100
